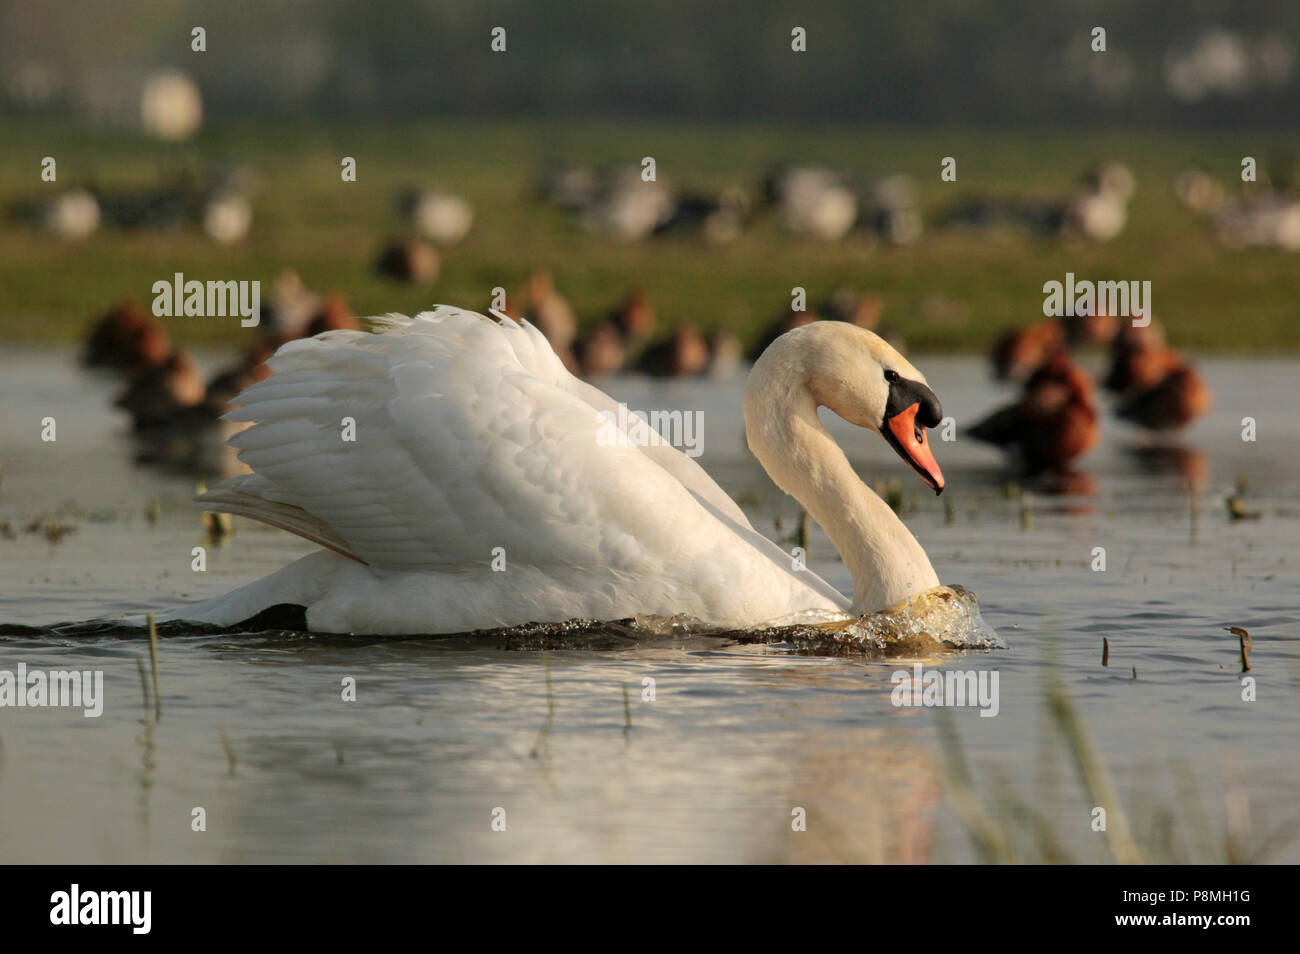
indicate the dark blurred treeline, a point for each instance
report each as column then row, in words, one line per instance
column 1176, row 63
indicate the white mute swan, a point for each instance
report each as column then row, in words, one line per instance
column 478, row 492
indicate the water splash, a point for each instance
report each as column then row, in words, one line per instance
column 944, row 619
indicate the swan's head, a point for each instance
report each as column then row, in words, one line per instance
column 861, row 378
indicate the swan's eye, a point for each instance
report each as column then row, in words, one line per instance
column 890, row 375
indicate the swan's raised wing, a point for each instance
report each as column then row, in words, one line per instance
column 428, row 446
column 536, row 355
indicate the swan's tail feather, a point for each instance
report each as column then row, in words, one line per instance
column 231, row 498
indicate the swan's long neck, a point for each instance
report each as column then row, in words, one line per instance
column 886, row 561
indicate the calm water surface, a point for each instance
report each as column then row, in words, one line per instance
column 443, row 732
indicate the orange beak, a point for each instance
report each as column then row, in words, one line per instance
column 908, row 438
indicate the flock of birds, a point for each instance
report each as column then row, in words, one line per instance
column 810, row 201
column 1055, row 419
column 828, row 205
column 218, row 202
column 176, row 411
column 620, row 203
column 624, row 339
